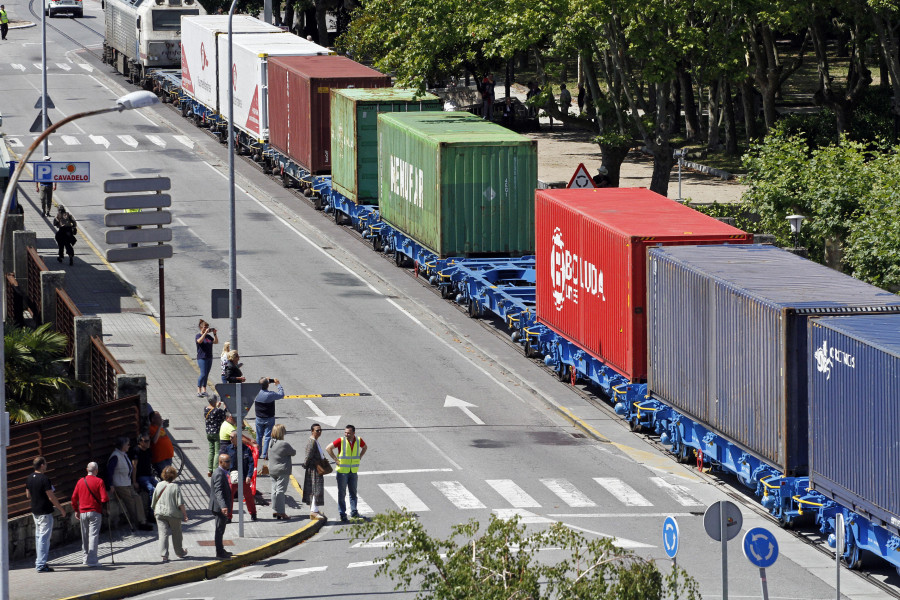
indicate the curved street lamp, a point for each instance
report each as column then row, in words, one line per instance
column 138, row 99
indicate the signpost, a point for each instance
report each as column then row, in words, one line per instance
column 761, row 549
column 838, row 549
column 581, row 180
column 132, row 235
column 723, row 521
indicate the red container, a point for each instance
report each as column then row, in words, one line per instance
column 300, row 103
column 591, row 248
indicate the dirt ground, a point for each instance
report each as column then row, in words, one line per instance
column 561, row 150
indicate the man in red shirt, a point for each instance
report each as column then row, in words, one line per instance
column 87, row 502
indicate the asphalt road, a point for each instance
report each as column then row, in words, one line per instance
column 326, row 315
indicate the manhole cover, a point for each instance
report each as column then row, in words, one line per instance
column 578, row 435
column 273, row 575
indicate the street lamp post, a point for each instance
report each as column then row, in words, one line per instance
column 126, row 102
column 796, row 221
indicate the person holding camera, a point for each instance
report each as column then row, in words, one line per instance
column 205, row 340
column 265, row 414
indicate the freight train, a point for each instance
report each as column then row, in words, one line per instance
column 743, row 358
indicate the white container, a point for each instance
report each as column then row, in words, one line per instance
column 199, row 60
column 250, row 66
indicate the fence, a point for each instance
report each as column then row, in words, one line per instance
column 69, row 442
column 35, row 264
column 104, row 368
column 66, row 311
column 14, row 300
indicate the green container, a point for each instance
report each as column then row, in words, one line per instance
column 354, row 135
column 457, row 184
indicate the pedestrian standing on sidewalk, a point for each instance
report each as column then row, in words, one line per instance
column 41, row 493
column 565, row 100
column 120, row 471
column 205, row 340
column 226, row 348
column 170, row 511
column 582, row 95
column 313, row 480
column 162, row 452
column 214, row 414
column 280, row 467
column 142, row 476
column 265, row 414
column 4, row 21
column 220, row 502
column 87, row 504
column 45, row 190
column 233, row 373
column 351, row 450
column 65, row 234
column 231, row 450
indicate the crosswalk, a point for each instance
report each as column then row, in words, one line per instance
column 52, row 67
column 608, row 491
column 110, row 142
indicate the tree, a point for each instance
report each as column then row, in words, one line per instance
column 35, row 373
column 500, row 563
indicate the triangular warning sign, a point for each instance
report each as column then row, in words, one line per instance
column 186, row 81
column 49, row 102
column 581, row 180
column 253, row 117
column 38, row 124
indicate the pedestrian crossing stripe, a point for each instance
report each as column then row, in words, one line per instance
column 351, row 395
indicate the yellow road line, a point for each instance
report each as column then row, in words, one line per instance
column 352, row 395
column 570, row 416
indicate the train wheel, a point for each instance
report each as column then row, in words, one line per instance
column 472, row 309
column 853, row 559
column 399, row 258
column 784, row 522
column 377, row 246
column 529, row 349
column 684, row 454
column 563, row 373
column 285, row 179
column 446, row 291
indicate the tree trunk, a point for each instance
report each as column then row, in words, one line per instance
column 288, row 20
column 712, row 130
column 747, row 91
column 322, row 22
column 890, row 51
column 613, row 157
column 731, row 145
column 662, row 169
column 691, row 119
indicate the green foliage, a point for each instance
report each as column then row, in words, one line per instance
column 35, row 373
column 500, row 563
column 738, row 211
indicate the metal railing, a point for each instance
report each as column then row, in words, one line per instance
column 66, row 311
column 35, row 264
column 14, row 304
column 104, row 368
column 69, row 442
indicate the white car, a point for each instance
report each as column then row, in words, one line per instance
column 70, row 7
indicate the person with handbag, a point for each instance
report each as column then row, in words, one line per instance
column 351, row 449
column 280, row 453
column 88, row 500
column 65, row 235
column 170, row 511
column 316, row 467
column 231, row 450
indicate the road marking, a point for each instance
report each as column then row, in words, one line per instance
column 406, row 471
column 129, row 140
column 156, row 140
column 185, row 140
column 568, row 414
column 352, row 395
column 615, row 515
column 18, row 67
column 331, row 421
column 86, row 67
column 568, row 493
column 15, row 142
column 451, row 402
column 620, row 542
column 365, row 563
column 267, row 574
column 403, row 497
column 512, row 493
column 38, row 66
column 49, row 143
column 361, row 505
column 525, row 517
column 458, row 495
column 679, row 493
column 70, row 140
column 100, row 140
column 623, row 492
column 64, row 66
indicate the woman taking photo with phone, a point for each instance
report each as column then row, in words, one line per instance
column 205, row 340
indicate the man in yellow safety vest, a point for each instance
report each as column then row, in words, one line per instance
column 4, row 21
column 350, row 451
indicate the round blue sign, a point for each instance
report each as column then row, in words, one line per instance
column 670, row 536
column 760, row 547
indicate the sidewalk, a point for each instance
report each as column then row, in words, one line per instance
column 132, row 334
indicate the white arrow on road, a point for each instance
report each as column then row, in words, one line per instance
column 269, row 574
column 463, row 406
column 321, row 416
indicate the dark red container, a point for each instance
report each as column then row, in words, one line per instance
column 300, row 103
column 591, row 248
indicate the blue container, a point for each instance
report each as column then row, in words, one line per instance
column 854, row 414
column 728, row 340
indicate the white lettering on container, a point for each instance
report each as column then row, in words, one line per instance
column 570, row 273
column 407, row 181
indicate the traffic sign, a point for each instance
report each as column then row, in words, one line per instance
column 38, row 124
column 221, row 304
column 161, row 251
column 138, row 202
column 712, row 520
column 581, row 179
column 59, row 171
column 228, row 393
column 670, row 536
column 159, row 217
column 137, row 184
column 760, row 547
